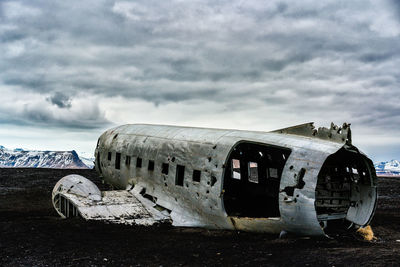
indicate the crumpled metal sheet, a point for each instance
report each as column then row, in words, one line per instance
column 334, row 133
column 117, row 206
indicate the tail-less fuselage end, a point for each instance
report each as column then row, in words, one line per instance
column 300, row 179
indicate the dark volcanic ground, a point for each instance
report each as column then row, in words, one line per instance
column 32, row 234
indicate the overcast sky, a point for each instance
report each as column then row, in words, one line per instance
column 71, row 69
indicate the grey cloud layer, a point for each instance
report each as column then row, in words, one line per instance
column 315, row 58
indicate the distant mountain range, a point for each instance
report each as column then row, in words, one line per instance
column 43, row 159
column 388, row 168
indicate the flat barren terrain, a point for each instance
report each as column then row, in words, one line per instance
column 32, row 234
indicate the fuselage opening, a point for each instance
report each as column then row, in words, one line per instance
column 345, row 191
column 252, row 178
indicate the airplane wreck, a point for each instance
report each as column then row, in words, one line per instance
column 301, row 180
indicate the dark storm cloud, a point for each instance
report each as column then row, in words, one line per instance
column 315, row 58
column 375, row 57
column 90, row 118
column 60, row 100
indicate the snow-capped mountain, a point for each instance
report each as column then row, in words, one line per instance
column 41, row 159
column 388, row 168
column 87, row 160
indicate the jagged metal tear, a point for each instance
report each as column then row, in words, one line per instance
column 334, row 133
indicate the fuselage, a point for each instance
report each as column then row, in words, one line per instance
column 245, row 180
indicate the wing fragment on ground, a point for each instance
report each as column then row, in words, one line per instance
column 74, row 195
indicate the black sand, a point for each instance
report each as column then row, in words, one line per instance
column 32, row 234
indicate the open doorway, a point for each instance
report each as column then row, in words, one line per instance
column 251, row 181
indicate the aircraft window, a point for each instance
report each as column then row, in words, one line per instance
column 273, row 173
column 128, row 161
column 109, row 156
column 118, row 160
column 165, row 168
column 253, row 172
column 99, row 163
column 236, row 169
column 180, row 175
column 139, row 163
column 196, row 175
column 151, row 165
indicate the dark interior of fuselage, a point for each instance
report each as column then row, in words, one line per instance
column 346, row 180
column 251, row 181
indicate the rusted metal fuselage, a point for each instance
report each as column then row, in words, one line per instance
column 300, row 179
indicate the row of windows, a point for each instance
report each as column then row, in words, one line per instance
column 252, row 168
column 180, row 169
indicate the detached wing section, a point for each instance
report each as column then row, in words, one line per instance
column 74, row 195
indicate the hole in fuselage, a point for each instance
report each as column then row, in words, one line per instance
column 345, row 191
column 251, row 181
